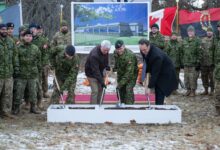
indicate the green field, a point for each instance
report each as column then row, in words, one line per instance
column 91, row 39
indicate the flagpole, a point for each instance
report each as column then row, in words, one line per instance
column 61, row 13
column 21, row 16
column 177, row 16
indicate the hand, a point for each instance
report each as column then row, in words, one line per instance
column 45, row 46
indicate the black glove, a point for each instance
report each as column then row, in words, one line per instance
column 103, row 85
column 212, row 66
column 181, row 67
column 108, row 68
column 197, row 68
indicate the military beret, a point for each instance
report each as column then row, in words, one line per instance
column 39, row 27
column 155, row 25
column 218, row 24
column 210, row 29
column 28, row 31
column 10, row 24
column 64, row 23
column 119, row 44
column 32, row 25
column 2, row 25
column 190, row 28
column 70, row 50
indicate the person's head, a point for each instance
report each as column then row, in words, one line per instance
column 33, row 28
column 144, row 46
column 218, row 26
column 40, row 30
column 3, row 30
column 10, row 28
column 209, row 32
column 120, row 47
column 105, row 47
column 191, row 31
column 69, row 51
column 154, row 28
column 64, row 27
column 174, row 36
column 27, row 36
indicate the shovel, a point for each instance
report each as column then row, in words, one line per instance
column 146, row 92
column 102, row 97
column 119, row 98
column 58, row 87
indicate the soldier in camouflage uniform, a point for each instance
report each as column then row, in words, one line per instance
column 66, row 66
column 63, row 37
column 43, row 45
column 175, row 52
column 27, row 73
column 8, row 55
column 217, row 70
column 127, row 71
column 156, row 38
column 10, row 28
column 207, row 62
column 191, row 61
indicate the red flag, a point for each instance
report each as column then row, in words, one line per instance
column 201, row 20
column 164, row 18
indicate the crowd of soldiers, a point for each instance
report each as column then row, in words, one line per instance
column 26, row 61
column 195, row 55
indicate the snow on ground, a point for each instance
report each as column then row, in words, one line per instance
column 200, row 129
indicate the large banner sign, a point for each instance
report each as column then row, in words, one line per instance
column 94, row 22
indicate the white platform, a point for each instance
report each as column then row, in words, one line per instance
column 163, row 114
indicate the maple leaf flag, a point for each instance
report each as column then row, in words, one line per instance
column 164, row 18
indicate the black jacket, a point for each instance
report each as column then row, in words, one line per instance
column 161, row 68
column 96, row 63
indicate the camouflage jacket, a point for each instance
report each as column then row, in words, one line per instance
column 191, row 52
column 126, row 67
column 61, row 39
column 66, row 69
column 217, row 59
column 40, row 41
column 207, row 51
column 8, row 57
column 175, row 52
column 29, row 61
column 157, row 40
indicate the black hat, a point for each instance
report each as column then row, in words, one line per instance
column 155, row 25
column 32, row 25
column 119, row 44
column 39, row 27
column 2, row 25
column 70, row 50
column 10, row 24
column 27, row 32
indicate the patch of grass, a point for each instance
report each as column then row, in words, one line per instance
column 90, row 39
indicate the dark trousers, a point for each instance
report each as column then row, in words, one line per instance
column 159, row 96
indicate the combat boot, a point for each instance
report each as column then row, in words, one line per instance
column 192, row 93
column 187, row 93
column 16, row 109
column 212, row 92
column 205, row 92
column 7, row 116
column 33, row 109
column 39, row 105
column 46, row 95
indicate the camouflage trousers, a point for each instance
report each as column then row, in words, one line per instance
column 127, row 94
column 55, row 98
column 45, row 74
column 96, row 89
column 190, row 78
column 207, row 76
column 217, row 94
column 27, row 88
column 6, row 94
